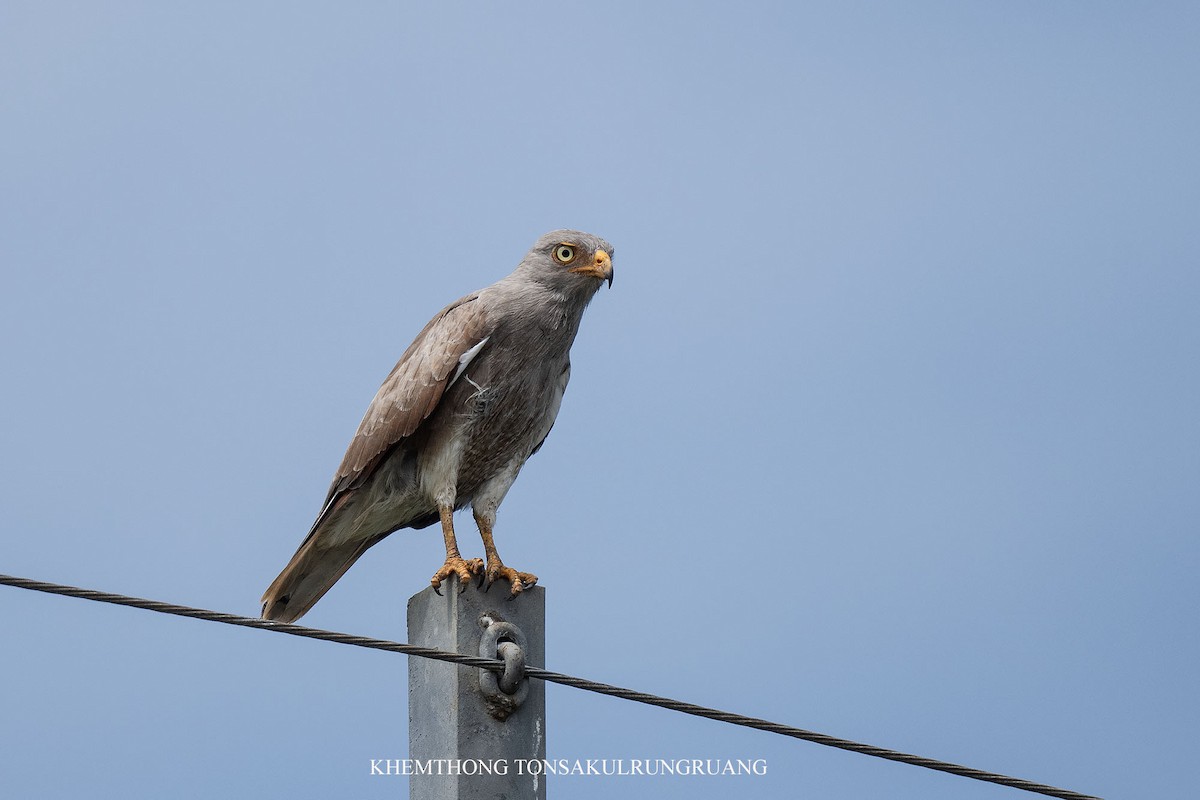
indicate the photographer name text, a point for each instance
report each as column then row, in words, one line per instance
column 582, row 767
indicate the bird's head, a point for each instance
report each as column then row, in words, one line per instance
column 570, row 261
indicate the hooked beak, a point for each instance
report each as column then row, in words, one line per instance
column 601, row 267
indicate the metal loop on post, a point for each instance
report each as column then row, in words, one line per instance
column 514, row 667
column 503, row 694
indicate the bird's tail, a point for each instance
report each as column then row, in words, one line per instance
column 308, row 576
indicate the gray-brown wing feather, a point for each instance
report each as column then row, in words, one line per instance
column 408, row 396
column 413, row 389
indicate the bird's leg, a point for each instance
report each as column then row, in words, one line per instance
column 455, row 565
column 517, row 581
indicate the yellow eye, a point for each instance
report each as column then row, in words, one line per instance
column 564, row 253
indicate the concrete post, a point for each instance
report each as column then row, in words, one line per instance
column 460, row 751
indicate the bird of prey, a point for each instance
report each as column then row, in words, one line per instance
column 471, row 399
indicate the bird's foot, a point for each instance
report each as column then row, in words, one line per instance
column 517, row 581
column 456, row 565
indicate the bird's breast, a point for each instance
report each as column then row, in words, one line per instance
column 502, row 407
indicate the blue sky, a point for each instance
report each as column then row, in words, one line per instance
column 886, row 429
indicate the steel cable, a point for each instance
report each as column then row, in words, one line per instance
column 495, row 665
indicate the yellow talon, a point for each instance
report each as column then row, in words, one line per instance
column 455, row 565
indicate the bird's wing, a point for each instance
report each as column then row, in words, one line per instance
column 408, row 396
column 415, row 386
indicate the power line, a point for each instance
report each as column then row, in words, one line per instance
column 495, row 665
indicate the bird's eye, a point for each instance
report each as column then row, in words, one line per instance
column 564, row 253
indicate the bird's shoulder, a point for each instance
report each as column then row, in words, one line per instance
column 412, row 390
